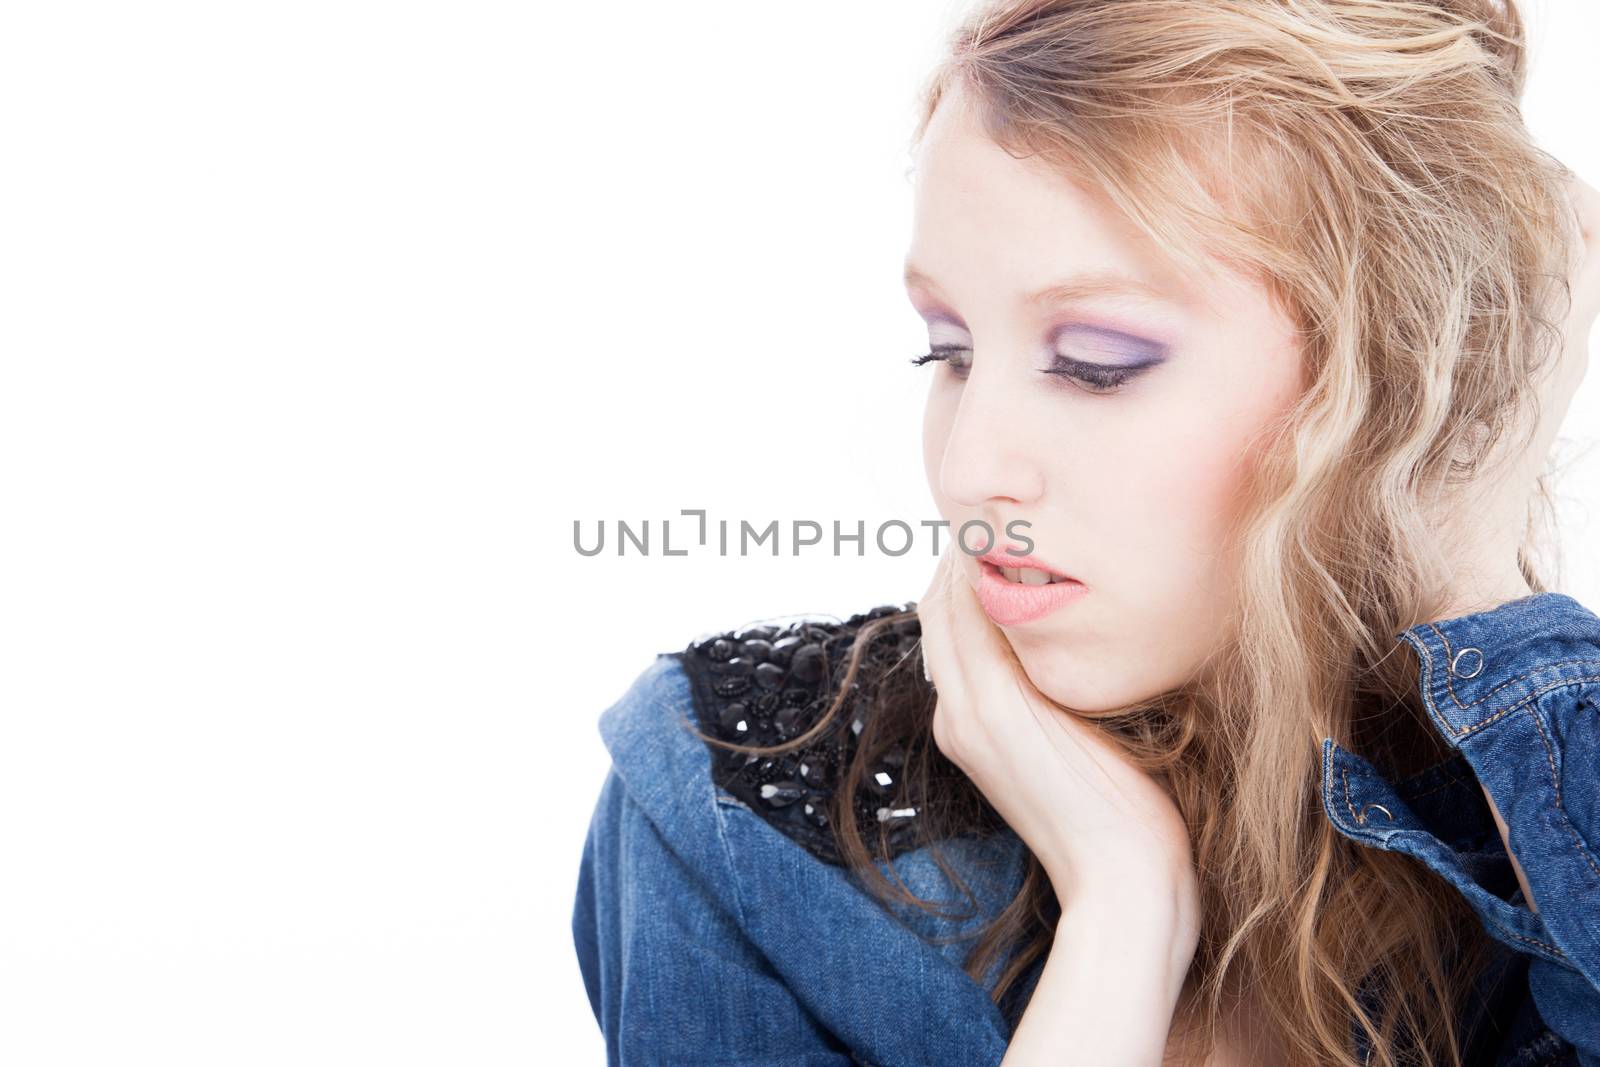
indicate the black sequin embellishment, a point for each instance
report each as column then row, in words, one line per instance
column 763, row 685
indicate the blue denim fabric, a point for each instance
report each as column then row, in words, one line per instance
column 1513, row 691
column 707, row 937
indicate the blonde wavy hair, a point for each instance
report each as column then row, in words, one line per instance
column 1367, row 161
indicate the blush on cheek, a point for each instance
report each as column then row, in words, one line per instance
column 1181, row 509
column 1173, row 560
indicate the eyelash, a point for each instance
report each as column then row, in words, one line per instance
column 1094, row 378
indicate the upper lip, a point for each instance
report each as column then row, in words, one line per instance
column 1000, row 558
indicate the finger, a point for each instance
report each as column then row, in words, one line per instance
column 988, row 663
column 976, row 635
column 992, row 666
column 975, row 648
column 933, row 614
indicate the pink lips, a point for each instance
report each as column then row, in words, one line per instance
column 1012, row 603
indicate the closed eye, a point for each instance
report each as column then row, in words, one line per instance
column 951, row 354
column 1094, row 378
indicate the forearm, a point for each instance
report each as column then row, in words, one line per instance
column 1107, row 992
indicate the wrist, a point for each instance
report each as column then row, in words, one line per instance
column 1140, row 957
column 1125, row 891
column 1151, row 923
column 1101, row 996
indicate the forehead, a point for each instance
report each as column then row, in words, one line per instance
column 1018, row 221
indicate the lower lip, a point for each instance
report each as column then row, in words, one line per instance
column 1012, row 603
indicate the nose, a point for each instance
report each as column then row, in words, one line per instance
column 990, row 453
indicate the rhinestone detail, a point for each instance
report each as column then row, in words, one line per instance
column 768, row 684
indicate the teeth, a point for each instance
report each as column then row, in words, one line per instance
column 1029, row 576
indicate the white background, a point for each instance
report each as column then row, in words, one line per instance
column 321, row 323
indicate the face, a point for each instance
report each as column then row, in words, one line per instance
column 1114, row 419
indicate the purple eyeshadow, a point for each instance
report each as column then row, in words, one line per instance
column 1096, row 344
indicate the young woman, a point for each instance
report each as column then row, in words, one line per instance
column 1268, row 742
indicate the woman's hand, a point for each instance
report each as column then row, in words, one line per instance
column 1483, row 537
column 1107, row 834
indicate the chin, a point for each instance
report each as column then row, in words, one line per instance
column 1084, row 687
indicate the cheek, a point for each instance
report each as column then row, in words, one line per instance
column 936, row 419
column 1192, row 495
column 1168, row 491
column 1197, row 495
column 1173, row 508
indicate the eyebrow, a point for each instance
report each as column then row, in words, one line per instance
column 1077, row 287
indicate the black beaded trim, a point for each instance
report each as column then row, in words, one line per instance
column 767, row 684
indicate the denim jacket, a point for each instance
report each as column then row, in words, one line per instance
column 712, row 928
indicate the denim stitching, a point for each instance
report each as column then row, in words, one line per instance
column 1452, row 780
column 1529, row 940
column 1519, row 678
column 1555, row 780
column 1549, row 759
column 1530, row 698
column 1427, row 690
column 1327, row 766
column 1360, row 821
column 1450, row 684
column 1555, row 777
column 1489, row 919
